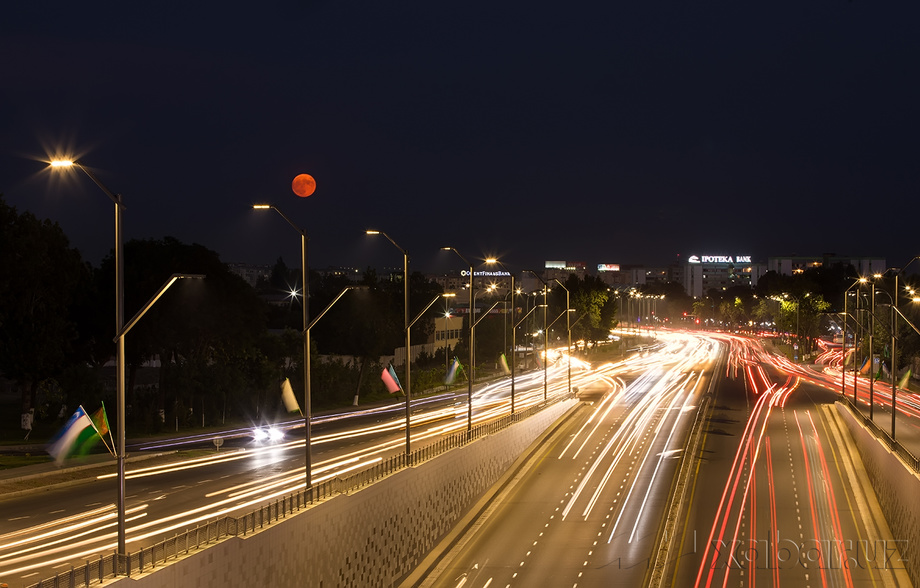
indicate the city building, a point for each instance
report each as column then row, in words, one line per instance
column 561, row 270
column 719, row 272
column 795, row 264
column 250, row 272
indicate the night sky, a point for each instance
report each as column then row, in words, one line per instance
column 603, row 132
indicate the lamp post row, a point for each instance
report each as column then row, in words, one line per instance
column 121, row 329
column 895, row 313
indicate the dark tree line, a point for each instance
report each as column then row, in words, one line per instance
column 222, row 351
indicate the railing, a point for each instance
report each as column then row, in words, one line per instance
column 909, row 458
column 147, row 559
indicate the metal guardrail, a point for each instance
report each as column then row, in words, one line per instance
column 909, row 458
column 664, row 540
column 96, row 571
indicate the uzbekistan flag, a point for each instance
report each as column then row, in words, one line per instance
column 389, row 378
column 78, row 436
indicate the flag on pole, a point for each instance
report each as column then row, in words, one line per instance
column 390, row 380
column 77, row 437
column 504, row 363
column 865, row 367
column 101, row 422
column 452, row 372
column 288, row 399
column 904, row 383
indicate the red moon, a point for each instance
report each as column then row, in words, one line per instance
column 303, row 185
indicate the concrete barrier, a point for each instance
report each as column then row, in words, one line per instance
column 372, row 537
column 896, row 486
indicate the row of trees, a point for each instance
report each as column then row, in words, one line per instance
column 222, row 351
column 810, row 305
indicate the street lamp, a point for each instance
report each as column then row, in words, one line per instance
column 513, row 331
column 469, row 401
column 568, row 328
column 172, row 280
column 567, row 313
column 406, row 324
column 797, row 338
column 871, row 350
column 408, row 397
column 514, row 328
column 306, row 336
column 120, row 342
column 545, row 355
column 843, row 365
column 894, row 343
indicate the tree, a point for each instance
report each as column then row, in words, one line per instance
column 41, row 280
column 595, row 309
column 204, row 332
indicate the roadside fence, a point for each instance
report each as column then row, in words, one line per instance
column 147, row 559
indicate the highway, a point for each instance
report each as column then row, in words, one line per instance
column 777, row 496
column 780, row 495
column 588, row 511
column 47, row 532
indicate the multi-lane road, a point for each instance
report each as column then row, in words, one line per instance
column 772, row 494
column 588, row 511
column 776, row 493
column 45, row 533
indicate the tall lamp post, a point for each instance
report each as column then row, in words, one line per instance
column 120, row 341
column 843, row 366
column 407, row 325
column 469, row 400
column 871, row 349
column 545, row 354
column 797, row 338
column 567, row 313
column 568, row 328
column 894, row 356
column 305, row 303
column 513, row 330
column 893, row 379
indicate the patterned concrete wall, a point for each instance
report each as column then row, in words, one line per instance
column 373, row 537
column 896, row 487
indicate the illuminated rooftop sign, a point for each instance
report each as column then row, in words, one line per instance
column 608, row 267
column 719, row 259
column 485, row 274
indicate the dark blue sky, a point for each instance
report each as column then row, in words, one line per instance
column 599, row 131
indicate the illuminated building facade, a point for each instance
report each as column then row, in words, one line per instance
column 719, row 272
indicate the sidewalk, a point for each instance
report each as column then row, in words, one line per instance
column 43, row 476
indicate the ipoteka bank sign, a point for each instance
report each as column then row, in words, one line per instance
column 719, row 259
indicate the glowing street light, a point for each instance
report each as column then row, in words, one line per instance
column 843, row 377
column 305, row 303
column 469, row 407
column 545, row 355
column 894, row 343
column 492, row 260
column 406, row 325
column 120, row 341
column 568, row 329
